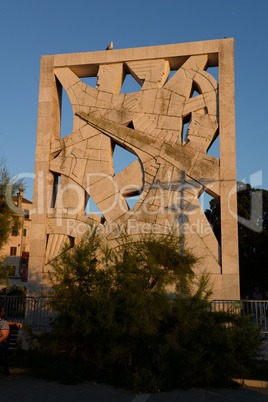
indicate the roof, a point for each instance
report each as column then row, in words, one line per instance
column 26, row 201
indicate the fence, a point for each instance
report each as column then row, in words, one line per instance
column 256, row 309
column 37, row 315
column 33, row 311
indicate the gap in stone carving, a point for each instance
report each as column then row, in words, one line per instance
column 55, row 242
column 122, row 158
column 171, row 73
column 130, row 125
column 132, row 201
column 214, row 71
column 195, row 90
column 55, row 189
column 66, row 115
column 130, row 85
column 216, row 225
column 214, row 149
column 195, row 93
column 90, row 81
column 184, row 131
column 205, row 200
column 71, row 241
column 91, row 207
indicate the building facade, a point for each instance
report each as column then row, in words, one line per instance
column 16, row 250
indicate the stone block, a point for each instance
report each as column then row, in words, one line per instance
column 161, row 106
column 130, row 180
column 110, row 78
column 77, row 97
column 122, row 116
column 205, row 82
column 176, row 105
column 213, row 245
column 132, row 102
column 113, row 207
column 88, row 132
column 147, row 100
column 62, row 164
column 146, row 123
column 211, row 102
column 230, row 287
column 150, row 71
column 169, row 123
column 102, row 104
column 163, row 93
column 103, row 189
column 79, row 108
column 196, row 63
column 78, row 171
column 205, row 167
column 180, row 84
column 44, row 109
column 151, row 167
column 70, row 196
column 72, row 139
column 66, row 77
column 98, row 141
column 45, row 94
column 105, row 96
column 193, row 104
column 117, row 101
column 95, row 171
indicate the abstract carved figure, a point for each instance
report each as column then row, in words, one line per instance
column 172, row 168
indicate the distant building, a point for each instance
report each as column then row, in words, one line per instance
column 17, row 249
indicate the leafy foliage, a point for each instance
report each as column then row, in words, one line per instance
column 114, row 312
column 14, row 291
column 253, row 239
column 8, row 219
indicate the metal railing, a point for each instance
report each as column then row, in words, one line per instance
column 256, row 309
column 34, row 312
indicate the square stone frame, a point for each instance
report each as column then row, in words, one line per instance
column 221, row 54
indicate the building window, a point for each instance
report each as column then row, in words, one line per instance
column 13, row 251
column 24, row 232
column 26, row 214
column 14, row 232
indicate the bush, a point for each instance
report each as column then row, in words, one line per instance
column 14, row 291
column 115, row 313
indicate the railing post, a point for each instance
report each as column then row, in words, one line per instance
column 256, row 309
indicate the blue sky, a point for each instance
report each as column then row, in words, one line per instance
column 31, row 28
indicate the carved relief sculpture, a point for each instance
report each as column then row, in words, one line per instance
column 172, row 167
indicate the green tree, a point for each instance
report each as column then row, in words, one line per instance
column 114, row 311
column 9, row 220
column 252, row 211
column 133, row 278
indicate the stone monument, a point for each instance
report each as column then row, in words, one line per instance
column 172, row 167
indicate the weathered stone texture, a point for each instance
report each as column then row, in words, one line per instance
column 172, row 169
